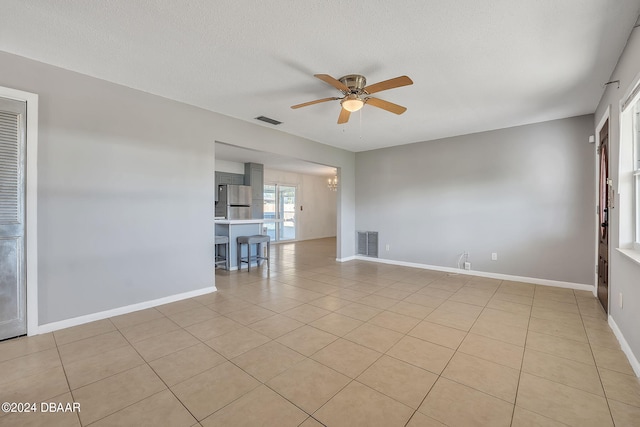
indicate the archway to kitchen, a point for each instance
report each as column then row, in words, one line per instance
column 297, row 199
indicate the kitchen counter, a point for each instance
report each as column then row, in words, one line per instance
column 233, row 228
column 238, row 221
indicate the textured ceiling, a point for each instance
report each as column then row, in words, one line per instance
column 476, row 64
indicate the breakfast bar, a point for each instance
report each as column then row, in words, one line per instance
column 233, row 228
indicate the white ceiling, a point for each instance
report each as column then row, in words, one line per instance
column 476, row 64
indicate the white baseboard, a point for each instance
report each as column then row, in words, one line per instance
column 67, row 323
column 350, row 258
column 633, row 360
column 534, row 280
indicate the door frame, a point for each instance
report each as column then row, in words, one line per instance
column 295, row 210
column 277, row 199
column 31, row 202
column 606, row 116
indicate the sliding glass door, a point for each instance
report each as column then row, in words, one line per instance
column 280, row 211
column 287, row 212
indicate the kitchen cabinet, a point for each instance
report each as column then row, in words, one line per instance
column 227, row 178
column 254, row 176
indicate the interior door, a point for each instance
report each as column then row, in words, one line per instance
column 603, row 218
column 13, row 302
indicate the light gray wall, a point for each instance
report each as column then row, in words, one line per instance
column 525, row 193
column 124, row 192
column 125, row 201
column 318, row 217
column 624, row 273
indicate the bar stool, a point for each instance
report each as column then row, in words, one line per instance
column 220, row 260
column 253, row 240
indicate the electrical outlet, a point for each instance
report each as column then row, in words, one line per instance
column 388, row 247
column 620, row 301
column 467, row 266
column 494, row 256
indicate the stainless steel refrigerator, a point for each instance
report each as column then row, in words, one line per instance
column 234, row 201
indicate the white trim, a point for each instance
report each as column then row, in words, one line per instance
column 632, row 95
column 534, row 280
column 626, row 191
column 635, row 364
column 80, row 320
column 632, row 254
column 31, row 199
column 350, row 258
column 606, row 116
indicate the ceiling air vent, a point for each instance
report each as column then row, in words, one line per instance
column 268, row 120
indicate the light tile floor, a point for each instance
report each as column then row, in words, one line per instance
column 316, row 342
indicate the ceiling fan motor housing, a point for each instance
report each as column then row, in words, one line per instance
column 355, row 82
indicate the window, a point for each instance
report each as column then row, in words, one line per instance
column 636, row 172
column 629, row 172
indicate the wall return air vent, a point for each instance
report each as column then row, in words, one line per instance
column 368, row 243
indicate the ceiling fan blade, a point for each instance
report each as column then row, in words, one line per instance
column 388, row 84
column 344, row 116
column 333, row 82
column 317, row 101
column 386, row 105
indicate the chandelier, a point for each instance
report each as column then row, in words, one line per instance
column 332, row 183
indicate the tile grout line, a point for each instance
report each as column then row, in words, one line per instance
column 524, row 350
column 297, row 406
column 538, row 376
column 159, row 377
column 604, row 391
column 258, row 380
column 65, row 376
column 447, row 364
column 355, row 379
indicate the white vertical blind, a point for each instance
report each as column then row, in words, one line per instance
column 9, row 169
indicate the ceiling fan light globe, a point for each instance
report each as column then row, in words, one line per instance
column 352, row 103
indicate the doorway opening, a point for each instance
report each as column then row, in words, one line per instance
column 316, row 215
column 604, row 206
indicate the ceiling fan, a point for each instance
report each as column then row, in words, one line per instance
column 355, row 94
